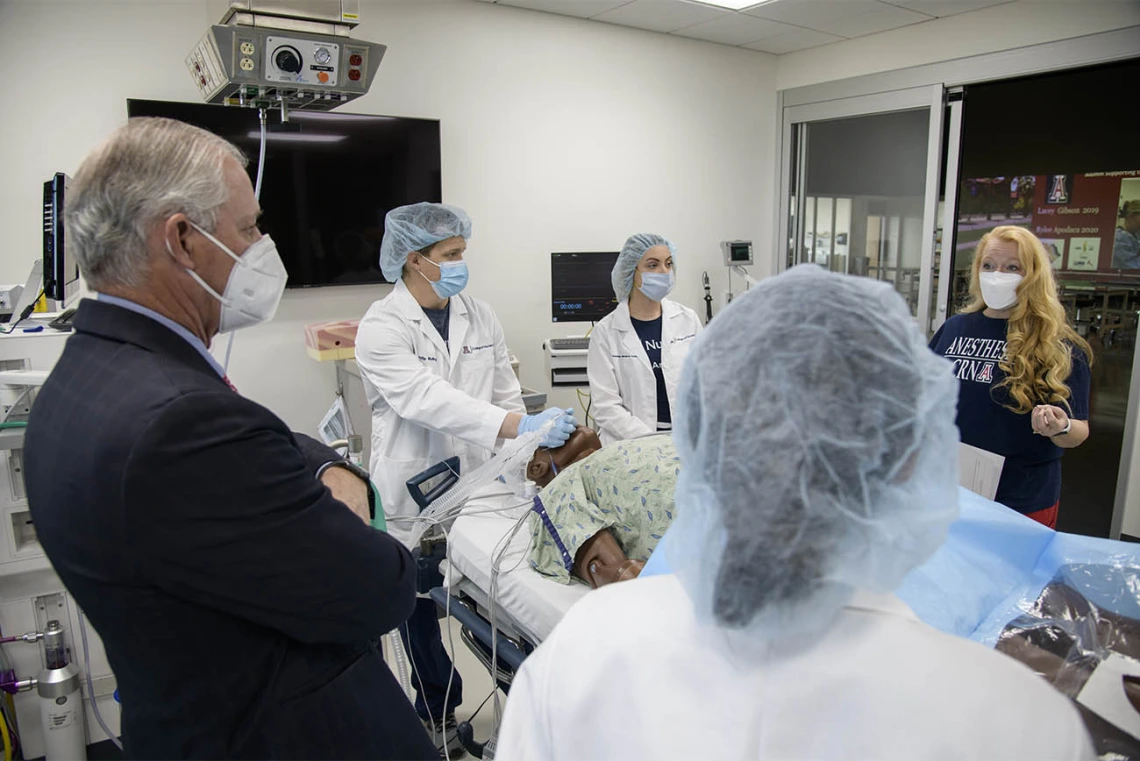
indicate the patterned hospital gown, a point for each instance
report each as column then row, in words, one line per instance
column 626, row 487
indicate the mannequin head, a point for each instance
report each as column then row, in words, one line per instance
column 581, row 444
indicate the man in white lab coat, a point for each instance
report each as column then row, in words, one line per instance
column 818, row 467
column 438, row 378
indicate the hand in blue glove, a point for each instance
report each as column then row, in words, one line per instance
column 564, row 425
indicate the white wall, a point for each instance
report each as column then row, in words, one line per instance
column 557, row 134
column 1002, row 27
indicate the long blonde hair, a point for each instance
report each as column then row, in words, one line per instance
column 1039, row 340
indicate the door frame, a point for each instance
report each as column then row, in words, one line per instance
column 796, row 122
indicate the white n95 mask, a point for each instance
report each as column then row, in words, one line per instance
column 999, row 289
column 255, row 285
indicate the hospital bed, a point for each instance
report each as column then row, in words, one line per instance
column 527, row 605
column 509, row 616
column 996, row 580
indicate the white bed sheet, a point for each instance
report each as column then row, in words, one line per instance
column 529, row 600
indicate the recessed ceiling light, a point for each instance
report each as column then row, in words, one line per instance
column 735, row 5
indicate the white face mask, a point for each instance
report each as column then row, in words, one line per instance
column 255, row 285
column 999, row 289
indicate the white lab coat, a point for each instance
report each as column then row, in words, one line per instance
column 629, row 673
column 623, row 390
column 429, row 403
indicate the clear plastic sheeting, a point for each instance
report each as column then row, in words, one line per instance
column 1060, row 603
column 1084, row 615
column 509, row 467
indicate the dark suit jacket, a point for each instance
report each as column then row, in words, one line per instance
column 239, row 603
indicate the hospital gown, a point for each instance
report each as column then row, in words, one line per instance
column 626, row 487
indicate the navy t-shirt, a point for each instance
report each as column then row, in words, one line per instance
column 650, row 334
column 1031, row 476
column 441, row 318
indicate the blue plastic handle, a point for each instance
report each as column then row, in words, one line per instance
column 449, row 466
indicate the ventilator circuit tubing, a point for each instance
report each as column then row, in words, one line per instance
column 396, row 647
column 91, row 685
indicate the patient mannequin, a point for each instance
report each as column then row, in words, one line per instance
column 579, row 500
column 1064, row 637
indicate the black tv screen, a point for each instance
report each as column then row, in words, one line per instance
column 581, row 289
column 329, row 180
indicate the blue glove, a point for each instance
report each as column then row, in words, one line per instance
column 564, row 425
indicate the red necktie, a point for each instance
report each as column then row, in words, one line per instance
column 233, row 388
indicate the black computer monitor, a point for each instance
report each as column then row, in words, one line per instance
column 61, row 272
column 580, row 286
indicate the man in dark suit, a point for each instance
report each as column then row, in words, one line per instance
column 225, row 561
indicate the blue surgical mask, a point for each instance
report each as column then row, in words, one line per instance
column 452, row 278
column 657, row 285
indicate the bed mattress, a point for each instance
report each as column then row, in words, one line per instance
column 531, row 603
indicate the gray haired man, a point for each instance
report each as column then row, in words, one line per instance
column 225, row 561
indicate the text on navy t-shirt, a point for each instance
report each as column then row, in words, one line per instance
column 1031, row 476
column 649, row 331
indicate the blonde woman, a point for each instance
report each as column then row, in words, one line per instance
column 1023, row 372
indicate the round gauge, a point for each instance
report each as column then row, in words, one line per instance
column 322, row 55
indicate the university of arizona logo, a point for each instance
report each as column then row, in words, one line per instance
column 987, row 373
column 1059, row 189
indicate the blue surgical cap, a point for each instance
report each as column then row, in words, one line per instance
column 631, row 253
column 818, row 452
column 414, row 228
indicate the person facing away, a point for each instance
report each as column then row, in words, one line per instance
column 818, row 467
column 1023, row 371
column 637, row 350
column 438, row 377
column 225, row 562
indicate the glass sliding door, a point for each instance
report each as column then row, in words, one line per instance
column 862, row 187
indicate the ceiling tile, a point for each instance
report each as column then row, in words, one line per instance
column 579, row 8
column 736, row 29
column 886, row 17
column 946, row 7
column 809, row 13
column 792, row 41
column 661, row 15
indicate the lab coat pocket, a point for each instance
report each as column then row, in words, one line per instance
column 392, row 480
column 475, row 370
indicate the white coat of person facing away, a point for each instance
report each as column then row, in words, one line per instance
column 818, row 467
column 637, row 350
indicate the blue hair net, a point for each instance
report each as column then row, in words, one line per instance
column 414, row 228
column 818, row 453
column 631, row 253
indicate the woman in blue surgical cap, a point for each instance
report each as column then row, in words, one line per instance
column 636, row 351
column 818, row 467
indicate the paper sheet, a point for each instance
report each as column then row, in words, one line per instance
column 1103, row 693
column 336, row 424
column 979, row 470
